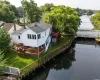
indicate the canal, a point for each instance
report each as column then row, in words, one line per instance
column 80, row 62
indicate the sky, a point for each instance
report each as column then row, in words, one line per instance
column 84, row 4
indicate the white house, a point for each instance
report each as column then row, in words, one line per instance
column 35, row 35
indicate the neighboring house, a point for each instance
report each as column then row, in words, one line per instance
column 10, row 27
column 35, row 35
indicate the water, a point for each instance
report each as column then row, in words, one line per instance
column 80, row 62
column 85, row 23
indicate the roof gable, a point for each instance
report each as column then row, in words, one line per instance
column 19, row 31
column 8, row 26
column 35, row 27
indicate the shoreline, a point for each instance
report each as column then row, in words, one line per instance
column 38, row 63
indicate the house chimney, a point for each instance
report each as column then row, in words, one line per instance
column 14, row 26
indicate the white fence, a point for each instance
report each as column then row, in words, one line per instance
column 12, row 71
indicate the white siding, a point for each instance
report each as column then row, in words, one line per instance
column 33, row 42
column 44, row 37
column 29, row 42
column 15, row 39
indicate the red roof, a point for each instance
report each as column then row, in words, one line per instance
column 55, row 34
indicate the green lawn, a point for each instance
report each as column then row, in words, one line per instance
column 13, row 59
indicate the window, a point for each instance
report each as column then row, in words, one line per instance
column 31, row 36
column 35, row 36
column 39, row 36
column 28, row 36
column 18, row 37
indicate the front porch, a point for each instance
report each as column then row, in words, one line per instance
column 20, row 48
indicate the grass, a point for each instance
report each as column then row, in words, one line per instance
column 15, row 60
column 63, row 41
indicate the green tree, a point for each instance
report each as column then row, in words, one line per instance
column 89, row 12
column 15, row 10
column 33, row 12
column 96, row 21
column 2, row 62
column 6, row 12
column 20, row 11
column 4, row 40
column 65, row 19
column 46, row 7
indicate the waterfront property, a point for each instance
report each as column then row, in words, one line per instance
column 51, row 53
column 27, row 64
column 35, row 38
column 81, row 63
column 21, row 60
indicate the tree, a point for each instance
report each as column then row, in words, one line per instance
column 33, row 12
column 4, row 40
column 46, row 7
column 6, row 12
column 89, row 12
column 20, row 11
column 65, row 19
column 96, row 21
column 15, row 10
column 2, row 63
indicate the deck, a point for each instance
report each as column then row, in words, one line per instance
column 20, row 48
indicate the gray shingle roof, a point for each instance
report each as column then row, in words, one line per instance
column 18, row 31
column 36, row 27
column 8, row 26
column 44, row 26
column 39, row 27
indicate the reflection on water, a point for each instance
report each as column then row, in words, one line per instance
column 81, row 62
column 61, row 62
column 86, row 23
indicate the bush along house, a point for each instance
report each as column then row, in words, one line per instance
column 35, row 38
